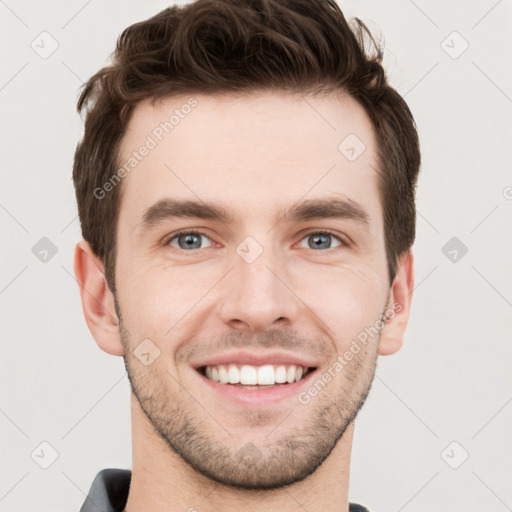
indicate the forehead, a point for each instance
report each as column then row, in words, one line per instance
column 253, row 153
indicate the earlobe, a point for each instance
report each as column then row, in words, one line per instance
column 399, row 306
column 97, row 300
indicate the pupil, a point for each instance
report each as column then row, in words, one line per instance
column 190, row 239
column 320, row 239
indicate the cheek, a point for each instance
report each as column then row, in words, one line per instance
column 154, row 299
column 346, row 299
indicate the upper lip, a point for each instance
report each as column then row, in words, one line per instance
column 257, row 359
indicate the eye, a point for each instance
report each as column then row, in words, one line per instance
column 322, row 240
column 188, row 240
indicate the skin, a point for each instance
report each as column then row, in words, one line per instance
column 256, row 155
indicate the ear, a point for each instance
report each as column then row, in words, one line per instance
column 399, row 306
column 97, row 300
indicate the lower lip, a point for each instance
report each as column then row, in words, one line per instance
column 257, row 396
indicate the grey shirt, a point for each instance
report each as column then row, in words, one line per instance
column 109, row 492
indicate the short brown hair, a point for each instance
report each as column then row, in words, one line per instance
column 243, row 46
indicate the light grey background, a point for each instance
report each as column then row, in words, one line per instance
column 450, row 382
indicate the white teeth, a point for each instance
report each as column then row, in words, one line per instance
column 248, row 375
column 290, row 374
column 223, row 375
column 280, row 374
column 234, row 374
column 266, row 375
column 255, row 375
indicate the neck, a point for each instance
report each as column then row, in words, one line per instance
column 163, row 482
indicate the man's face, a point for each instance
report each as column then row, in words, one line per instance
column 273, row 283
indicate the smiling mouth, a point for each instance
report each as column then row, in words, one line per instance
column 255, row 377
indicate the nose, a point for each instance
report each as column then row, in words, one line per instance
column 258, row 295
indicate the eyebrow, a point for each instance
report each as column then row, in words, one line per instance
column 310, row 209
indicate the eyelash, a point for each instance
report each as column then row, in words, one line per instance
column 344, row 243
